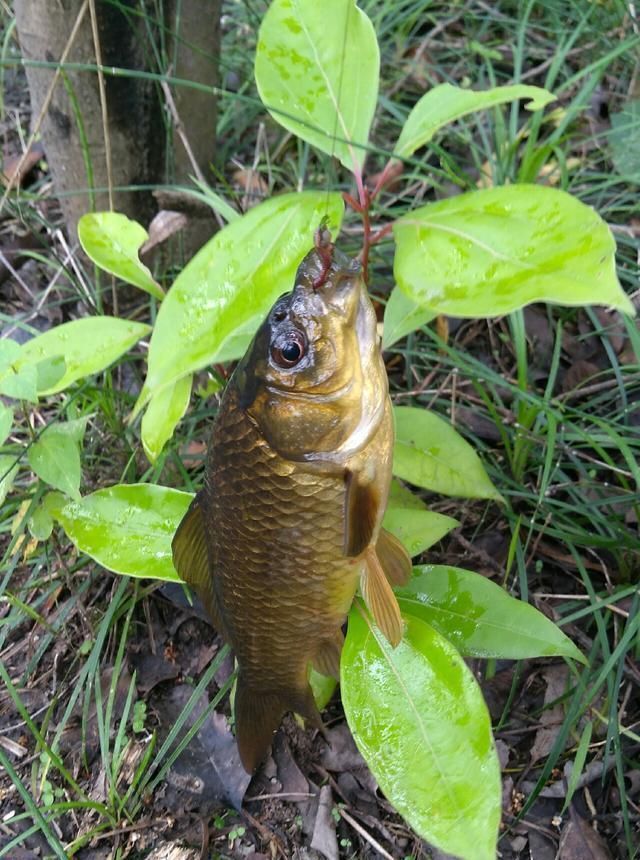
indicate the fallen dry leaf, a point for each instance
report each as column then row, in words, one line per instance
column 324, row 838
column 12, row 164
column 579, row 841
column 163, row 226
column 556, row 678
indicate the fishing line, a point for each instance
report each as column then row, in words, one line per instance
column 338, row 98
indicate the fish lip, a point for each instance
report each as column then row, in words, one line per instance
column 312, row 396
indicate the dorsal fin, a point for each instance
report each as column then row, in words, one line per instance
column 191, row 560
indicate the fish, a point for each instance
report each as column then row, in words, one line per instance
column 288, row 523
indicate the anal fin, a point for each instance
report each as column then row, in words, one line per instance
column 191, row 560
column 327, row 659
column 393, row 558
column 380, row 599
column 258, row 715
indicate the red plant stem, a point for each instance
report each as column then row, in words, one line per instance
column 382, row 232
column 366, row 223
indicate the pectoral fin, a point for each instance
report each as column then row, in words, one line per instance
column 380, row 599
column 191, row 560
column 393, row 558
column 362, row 504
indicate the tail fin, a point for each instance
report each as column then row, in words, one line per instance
column 258, row 715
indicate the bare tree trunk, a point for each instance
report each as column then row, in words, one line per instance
column 137, row 135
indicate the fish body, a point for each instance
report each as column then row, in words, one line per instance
column 288, row 522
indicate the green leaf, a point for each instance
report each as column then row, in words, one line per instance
column 418, row 717
column 430, row 453
column 487, row 253
column 41, row 523
column 50, row 371
column 402, row 497
column 317, row 69
column 20, row 384
column 418, row 530
column 402, row 316
column 479, row 617
column 127, row 528
column 6, row 422
column 112, row 241
column 8, row 470
column 88, row 345
column 55, row 458
column 233, row 279
column 322, row 687
column 165, row 409
column 446, row 103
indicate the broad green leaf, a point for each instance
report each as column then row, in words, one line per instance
column 88, row 345
column 446, row 103
column 234, row 278
column 9, row 353
column 490, row 252
column 419, row 719
column 402, row 497
column 21, row 384
column 165, row 409
column 41, row 523
column 429, row 453
column 55, row 458
column 322, row 687
column 6, row 422
column 127, row 528
column 402, row 316
column 112, row 241
column 49, row 372
column 317, row 68
column 479, row 617
column 8, row 470
column 418, row 530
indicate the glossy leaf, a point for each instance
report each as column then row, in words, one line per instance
column 126, row 528
column 88, row 345
column 165, row 409
column 55, row 458
column 401, row 317
column 233, row 280
column 446, row 103
column 418, row 530
column 317, row 68
column 8, row 471
column 419, row 719
column 113, row 241
column 6, row 422
column 429, row 453
column 489, row 252
column 479, row 617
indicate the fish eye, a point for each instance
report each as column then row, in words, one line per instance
column 288, row 348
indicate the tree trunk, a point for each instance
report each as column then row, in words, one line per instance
column 139, row 134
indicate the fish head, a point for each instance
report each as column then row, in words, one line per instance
column 313, row 379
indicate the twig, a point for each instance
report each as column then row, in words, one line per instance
column 365, row 835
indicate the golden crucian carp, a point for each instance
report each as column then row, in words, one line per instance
column 288, row 523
